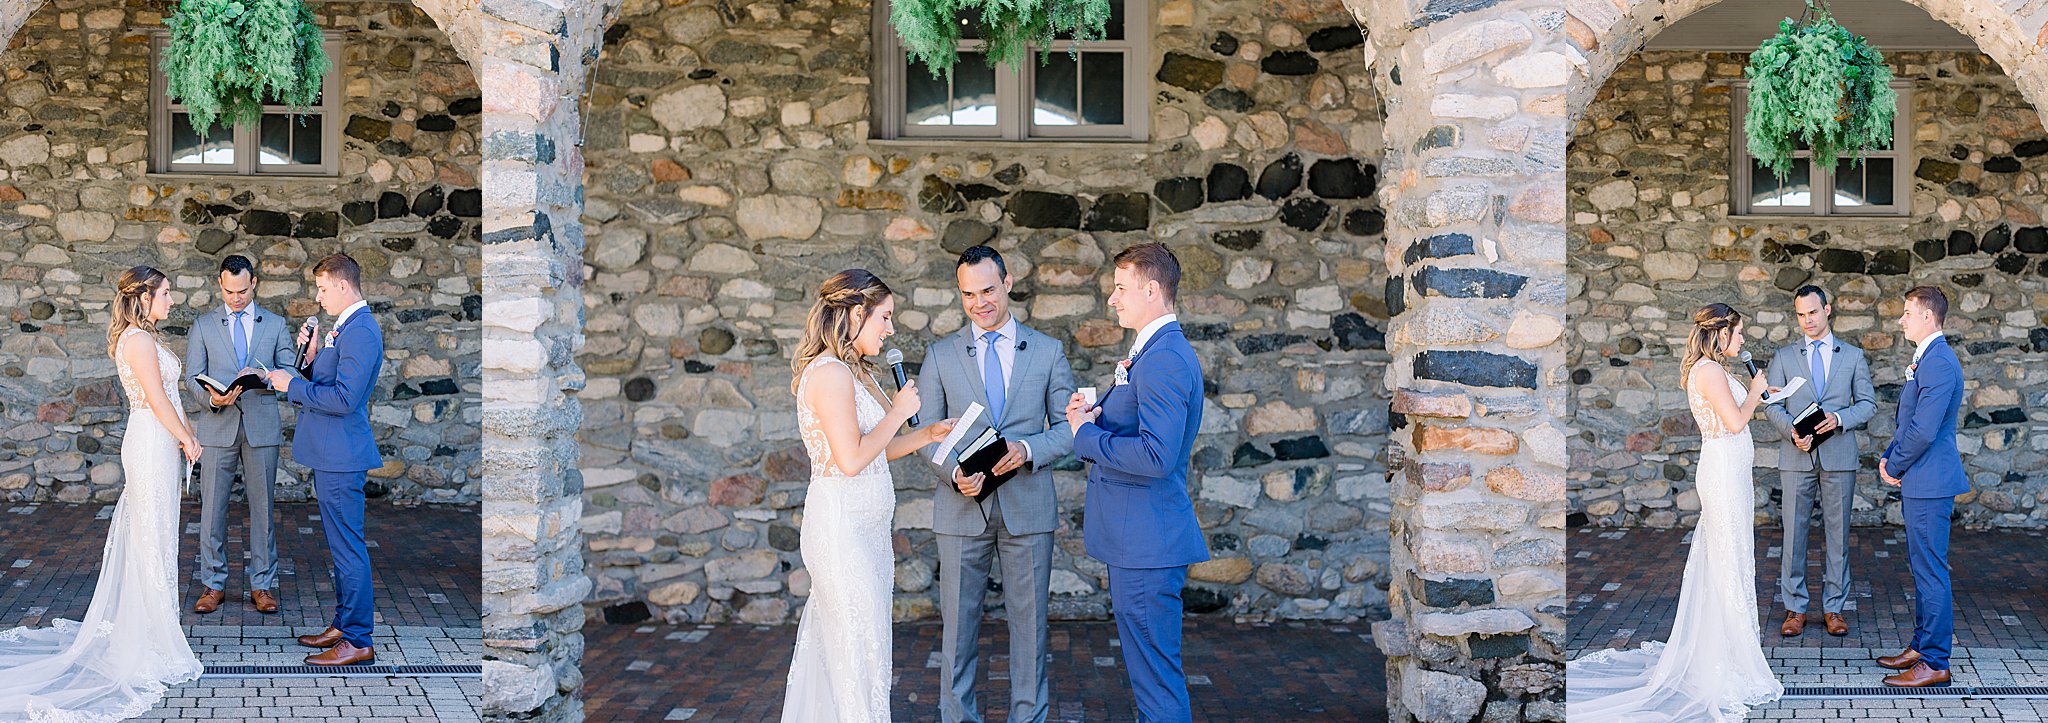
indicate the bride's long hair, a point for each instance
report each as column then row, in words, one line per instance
column 131, row 305
column 1711, row 326
column 830, row 330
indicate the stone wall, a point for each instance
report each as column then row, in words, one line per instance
column 1652, row 240
column 730, row 172
column 80, row 207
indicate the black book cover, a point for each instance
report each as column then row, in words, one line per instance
column 981, row 456
column 1810, row 419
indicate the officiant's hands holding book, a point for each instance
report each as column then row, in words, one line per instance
column 969, row 485
column 218, row 399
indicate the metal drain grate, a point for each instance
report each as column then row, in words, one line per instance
column 1954, row 691
column 344, row 671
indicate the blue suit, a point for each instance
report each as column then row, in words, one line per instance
column 1924, row 458
column 1139, row 520
column 333, row 438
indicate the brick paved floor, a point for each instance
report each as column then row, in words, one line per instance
column 429, row 594
column 1279, row 672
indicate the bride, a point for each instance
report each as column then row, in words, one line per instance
column 1713, row 668
column 841, row 668
column 119, row 660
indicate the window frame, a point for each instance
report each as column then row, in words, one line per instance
column 247, row 141
column 890, row 68
column 1823, row 179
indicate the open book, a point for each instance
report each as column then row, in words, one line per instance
column 981, row 456
column 248, row 379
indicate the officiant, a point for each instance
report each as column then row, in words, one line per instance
column 1021, row 379
column 239, row 432
column 1817, row 455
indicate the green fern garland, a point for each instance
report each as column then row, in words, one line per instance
column 1817, row 82
column 930, row 29
column 226, row 58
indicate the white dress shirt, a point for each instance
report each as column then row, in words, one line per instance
column 1921, row 350
column 360, row 305
column 1827, row 358
column 1145, row 334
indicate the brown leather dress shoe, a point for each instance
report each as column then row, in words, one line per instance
column 1918, row 676
column 1836, row 625
column 208, row 601
column 326, row 639
column 263, row 601
column 1901, row 661
column 1795, row 623
column 345, row 654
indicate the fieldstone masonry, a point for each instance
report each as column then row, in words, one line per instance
column 1651, row 246
column 80, row 208
column 730, row 172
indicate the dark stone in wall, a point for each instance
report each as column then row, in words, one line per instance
column 1458, row 283
column 2029, row 149
column 1190, row 72
column 318, row 224
column 1341, row 178
column 1365, row 222
column 1202, row 600
column 1440, row 246
column 1488, row 647
column 1244, row 239
column 639, row 389
column 444, row 226
column 1010, row 175
column 1355, row 333
column 466, row 202
column 266, row 223
column 436, row 123
column 971, row 192
column 212, row 240
column 938, row 196
column 1306, row 214
column 1248, row 455
column 715, row 341
column 466, row 106
column 194, row 212
column 1936, row 171
column 392, row 204
column 1840, row 261
column 1475, row 368
column 2011, row 263
column 1961, row 242
column 1996, row 239
column 965, row 233
column 1311, row 447
column 2031, row 240
column 2002, row 164
column 428, row 202
column 1930, row 249
column 1281, row 177
column 1119, row 212
column 1336, row 37
column 1226, row 44
column 632, row 613
column 1967, row 280
column 1040, row 209
column 1263, row 343
column 1289, row 62
column 1890, row 262
column 367, row 129
column 1229, row 100
column 359, row 212
column 1229, row 182
column 1179, row 194
column 1961, row 188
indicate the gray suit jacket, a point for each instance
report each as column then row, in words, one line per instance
column 1035, row 414
column 210, row 350
column 1849, row 395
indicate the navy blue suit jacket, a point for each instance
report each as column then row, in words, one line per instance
column 333, row 434
column 1138, row 513
column 1923, row 454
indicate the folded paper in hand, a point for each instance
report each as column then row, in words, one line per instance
column 944, row 452
column 1785, row 393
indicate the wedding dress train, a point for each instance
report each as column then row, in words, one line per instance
column 841, row 668
column 118, row 661
column 1713, row 667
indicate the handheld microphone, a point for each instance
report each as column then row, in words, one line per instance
column 895, row 359
column 1747, row 364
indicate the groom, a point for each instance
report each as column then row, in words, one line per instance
column 1137, row 439
column 1924, row 464
column 333, row 438
column 1018, row 375
column 239, row 435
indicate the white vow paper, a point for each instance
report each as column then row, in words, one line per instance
column 945, row 449
column 1797, row 382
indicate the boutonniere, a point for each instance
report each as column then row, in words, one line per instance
column 331, row 336
column 1909, row 371
column 1123, row 372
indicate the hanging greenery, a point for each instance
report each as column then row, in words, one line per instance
column 226, row 58
column 1818, row 83
column 930, row 29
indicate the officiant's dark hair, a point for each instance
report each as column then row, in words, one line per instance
column 1811, row 290
column 977, row 254
column 236, row 265
column 1155, row 262
column 341, row 267
column 1932, row 299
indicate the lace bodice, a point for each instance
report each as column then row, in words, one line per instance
column 867, row 410
column 169, row 371
column 1704, row 372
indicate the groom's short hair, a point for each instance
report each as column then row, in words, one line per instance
column 1931, row 299
column 340, row 267
column 236, row 265
column 977, row 254
column 1153, row 261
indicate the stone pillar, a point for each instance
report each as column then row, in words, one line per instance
column 1475, row 133
column 532, row 68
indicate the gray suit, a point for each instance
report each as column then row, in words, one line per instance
column 242, row 438
column 1015, row 523
column 1825, row 476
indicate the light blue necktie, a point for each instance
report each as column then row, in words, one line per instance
column 992, row 379
column 241, row 337
column 1820, row 370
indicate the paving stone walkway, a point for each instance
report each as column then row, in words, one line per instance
column 1254, row 672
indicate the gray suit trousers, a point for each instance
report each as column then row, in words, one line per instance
column 963, row 583
column 258, row 469
column 1800, row 490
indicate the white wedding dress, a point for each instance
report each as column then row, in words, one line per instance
column 1713, row 668
column 118, row 662
column 841, row 668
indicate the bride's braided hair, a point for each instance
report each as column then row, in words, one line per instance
column 829, row 329
column 131, row 304
column 1711, row 326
